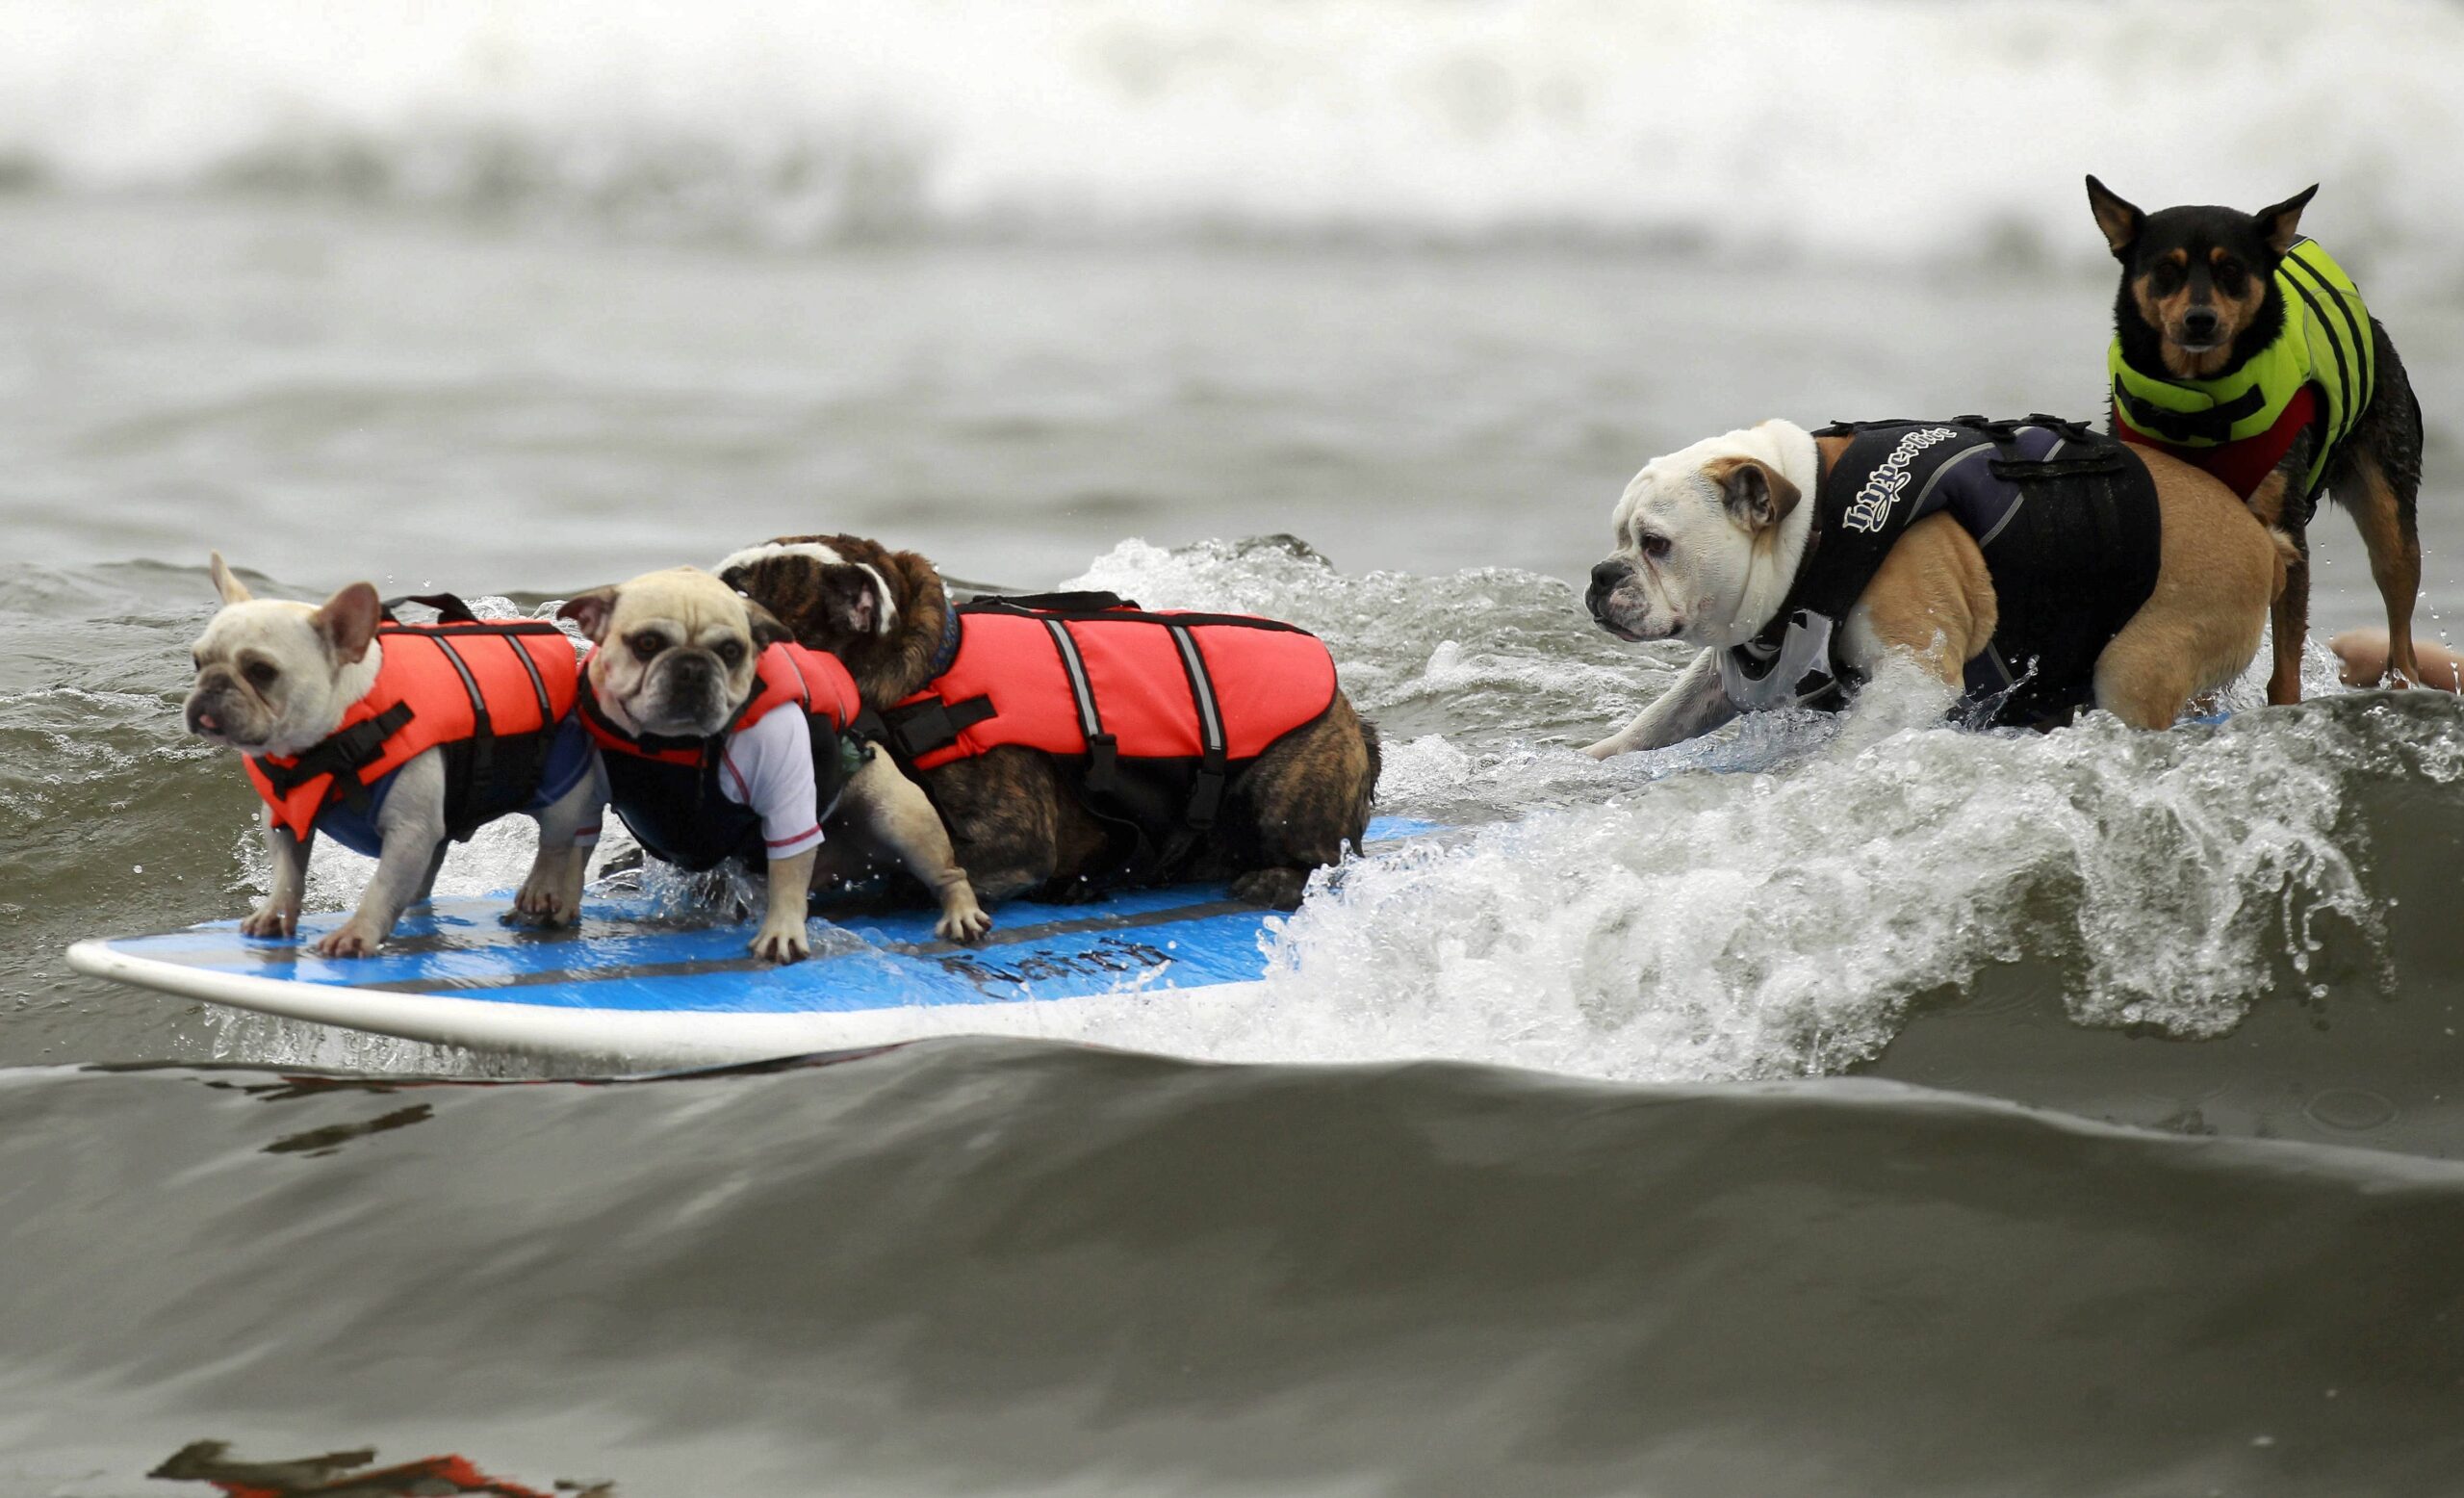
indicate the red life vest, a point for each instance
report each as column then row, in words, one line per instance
column 1154, row 712
column 666, row 787
column 491, row 692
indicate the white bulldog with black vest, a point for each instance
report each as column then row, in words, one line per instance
column 2041, row 566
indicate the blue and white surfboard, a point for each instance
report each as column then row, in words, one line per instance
column 627, row 983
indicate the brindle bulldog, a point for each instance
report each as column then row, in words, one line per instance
column 1073, row 743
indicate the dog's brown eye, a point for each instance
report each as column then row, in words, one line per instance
column 730, row 652
column 646, row 647
column 261, row 674
column 2164, row 278
column 1653, row 546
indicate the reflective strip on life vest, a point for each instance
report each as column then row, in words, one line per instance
column 1102, row 749
column 1207, row 795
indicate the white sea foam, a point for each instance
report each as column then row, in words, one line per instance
column 1761, row 924
column 1869, row 129
column 1654, row 918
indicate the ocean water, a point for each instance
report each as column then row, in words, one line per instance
column 1840, row 1105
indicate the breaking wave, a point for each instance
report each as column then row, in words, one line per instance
column 1882, row 130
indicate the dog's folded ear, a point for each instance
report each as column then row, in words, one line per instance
column 229, row 588
column 591, row 612
column 347, row 620
column 856, row 598
column 2120, row 220
column 767, row 630
column 2282, row 223
column 1758, row 495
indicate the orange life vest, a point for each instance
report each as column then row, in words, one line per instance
column 666, row 787
column 1152, row 712
column 490, row 692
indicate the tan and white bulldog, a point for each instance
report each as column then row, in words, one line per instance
column 1711, row 540
column 677, row 657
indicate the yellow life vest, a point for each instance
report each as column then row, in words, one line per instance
column 2325, row 342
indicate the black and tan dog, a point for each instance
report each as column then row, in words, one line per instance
column 1071, row 741
column 2241, row 348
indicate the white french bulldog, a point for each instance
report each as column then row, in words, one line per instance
column 274, row 679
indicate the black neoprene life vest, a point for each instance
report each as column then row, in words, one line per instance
column 2066, row 519
column 667, row 788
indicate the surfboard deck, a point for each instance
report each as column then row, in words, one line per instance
column 627, row 982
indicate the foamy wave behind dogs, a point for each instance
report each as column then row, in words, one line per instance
column 1756, row 925
column 1770, row 901
column 1896, row 132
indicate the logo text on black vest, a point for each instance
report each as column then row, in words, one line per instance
column 1871, row 506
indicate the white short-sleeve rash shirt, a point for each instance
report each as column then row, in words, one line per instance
column 769, row 768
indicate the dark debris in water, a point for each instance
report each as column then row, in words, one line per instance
column 335, row 1475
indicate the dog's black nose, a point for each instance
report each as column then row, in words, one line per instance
column 1606, row 577
column 2201, row 322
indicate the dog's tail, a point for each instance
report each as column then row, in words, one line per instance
column 2288, row 557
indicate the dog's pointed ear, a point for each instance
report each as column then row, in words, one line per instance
column 347, row 620
column 767, row 630
column 591, row 612
column 1758, row 495
column 2282, row 223
column 2120, row 220
column 228, row 588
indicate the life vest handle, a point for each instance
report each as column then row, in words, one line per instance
column 450, row 607
column 1086, row 601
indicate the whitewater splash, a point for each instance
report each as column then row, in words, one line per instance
column 1873, row 130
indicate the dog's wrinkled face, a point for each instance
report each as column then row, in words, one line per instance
column 2202, row 280
column 835, row 591
column 1688, row 528
column 269, row 672
column 677, row 650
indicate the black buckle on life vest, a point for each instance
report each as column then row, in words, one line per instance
column 1206, row 798
column 1103, row 763
column 341, row 757
column 917, row 728
column 2214, row 425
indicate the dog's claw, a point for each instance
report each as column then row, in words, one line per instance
column 967, row 928
column 348, row 940
column 270, row 922
column 546, row 908
column 783, row 947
